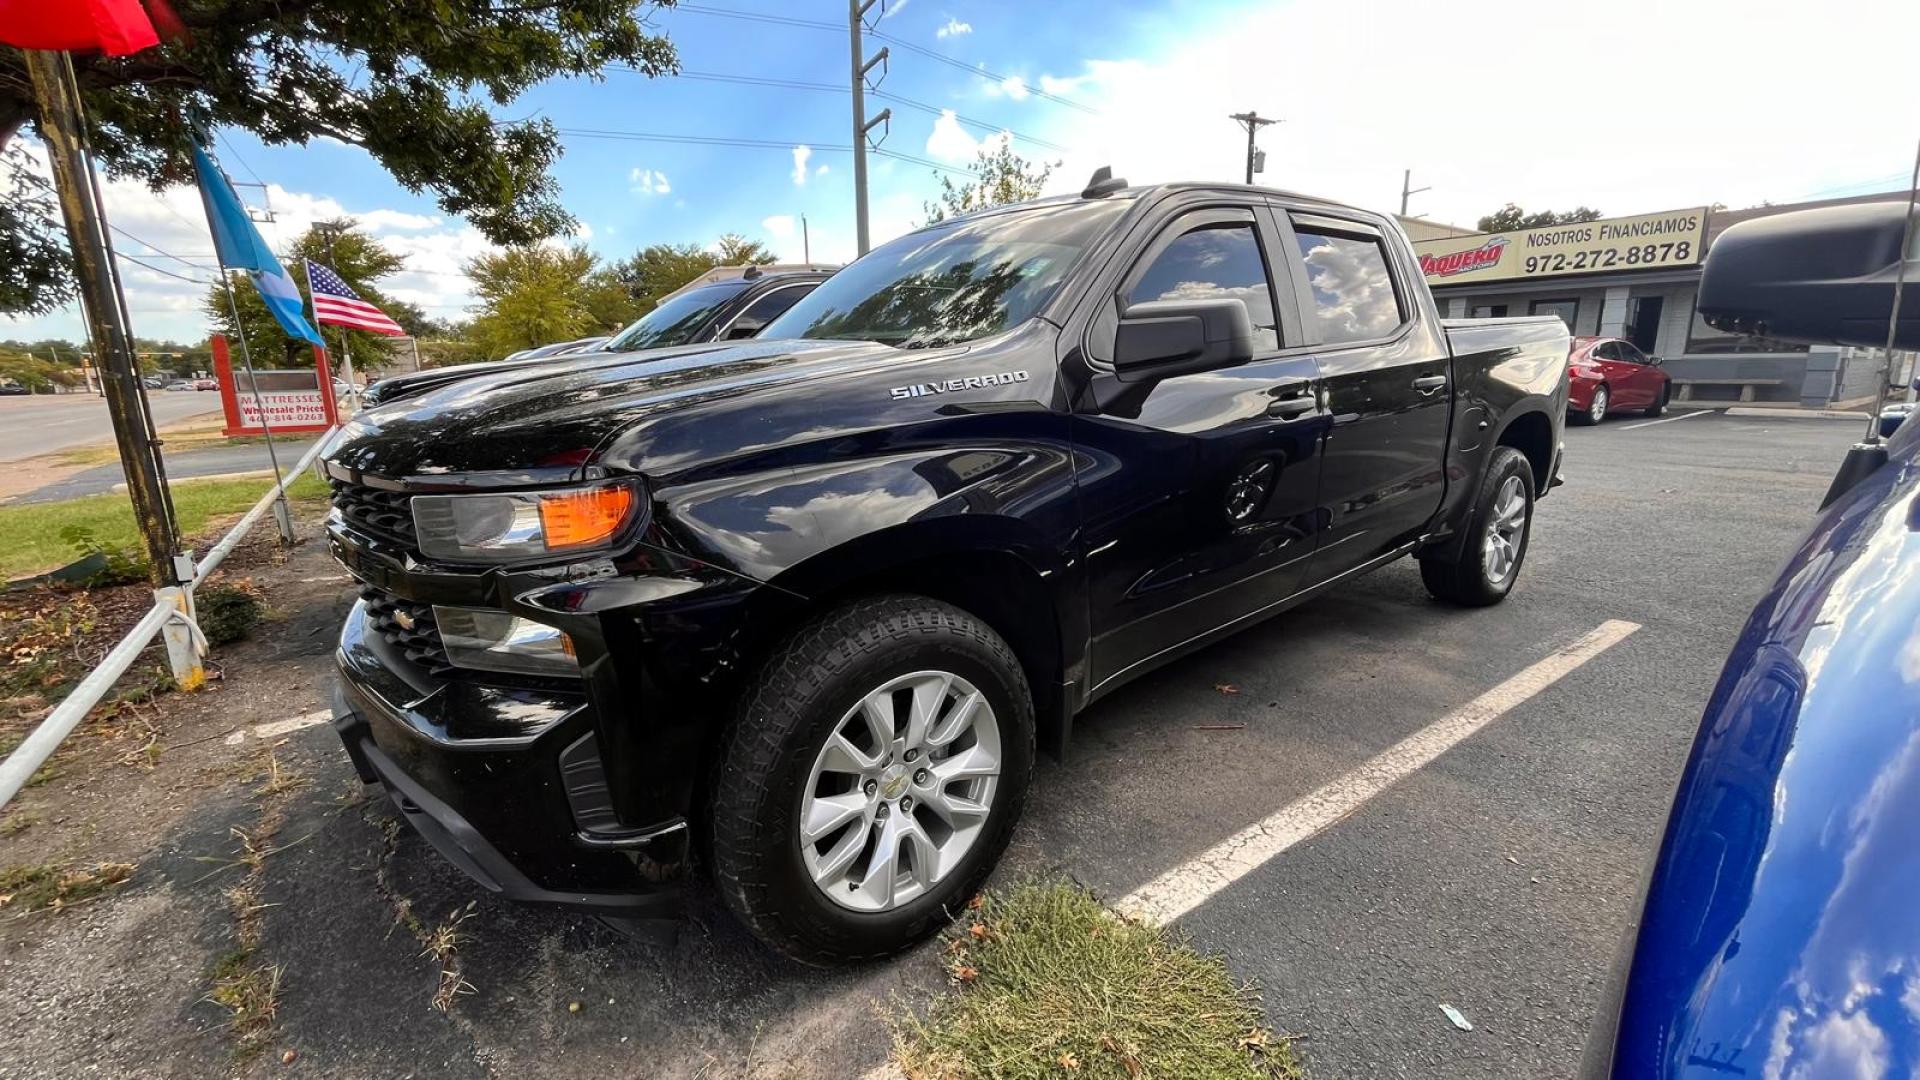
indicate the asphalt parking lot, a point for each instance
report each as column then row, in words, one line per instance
column 1497, row 879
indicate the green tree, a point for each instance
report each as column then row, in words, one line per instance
column 736, row 250
column 998, row 177
column 1511, row 218
column 358, row 258
column 414, row 84
column 36, row 374
column 34, row 273
column 530, row 296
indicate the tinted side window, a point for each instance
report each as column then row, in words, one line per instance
column 767, row 308
column 1353, row 297
column 1218, row 262
column 1631, row 353
column 1606, row 350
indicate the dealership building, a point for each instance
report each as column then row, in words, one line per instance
column 1636, row 278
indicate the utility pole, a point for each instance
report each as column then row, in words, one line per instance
column 58, row 98
column 856, row 11
column 1253, row 122
column 1407, row 190
column 806, row 245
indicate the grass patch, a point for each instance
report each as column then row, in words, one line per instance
column 31, row 538
column 53, row 887
column 1052, row 984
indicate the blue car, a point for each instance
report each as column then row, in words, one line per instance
column 1780, row 931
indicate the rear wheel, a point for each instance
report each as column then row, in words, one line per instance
column 1596, row 409
column 872, row 779
column 1659, row 405
column 1496, row 544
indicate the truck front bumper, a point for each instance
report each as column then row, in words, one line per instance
column 505, row 808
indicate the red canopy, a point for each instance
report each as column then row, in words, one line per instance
column 115, row 27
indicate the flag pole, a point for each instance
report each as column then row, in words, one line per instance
column 282, row 513
column 346, row 358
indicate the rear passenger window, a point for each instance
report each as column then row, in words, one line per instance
column 1218, row 262
column 1353, row 297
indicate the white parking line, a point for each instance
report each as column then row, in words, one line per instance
column 1191, row 884
column 281, row 727
column 1665, row 420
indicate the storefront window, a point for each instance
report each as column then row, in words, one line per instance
column 1702, row 338
column 1489, row 311
column 1568, row 310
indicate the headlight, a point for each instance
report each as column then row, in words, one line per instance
column 497, row 641
column 514, row 527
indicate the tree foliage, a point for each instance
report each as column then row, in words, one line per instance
column 998, row 177
column 658, row 269
column 358, row 258
column 1510, row 218
column 412, row 83
column 35, row 276
column 530, row 296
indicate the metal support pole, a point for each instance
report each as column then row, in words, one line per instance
column 58, row 98
column 1407, row 190
column 346, row 357
column 282, row 514
column 855, row 12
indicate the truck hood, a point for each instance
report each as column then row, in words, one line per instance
column 546, row 418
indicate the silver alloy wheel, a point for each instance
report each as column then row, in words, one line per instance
column 901, row 791
column 1506, row 526
column 1597, row 409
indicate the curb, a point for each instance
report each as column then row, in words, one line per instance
column 1798, row 414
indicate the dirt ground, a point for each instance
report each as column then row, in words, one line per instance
column 281, row 920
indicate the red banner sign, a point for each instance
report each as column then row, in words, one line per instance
column 297, row 400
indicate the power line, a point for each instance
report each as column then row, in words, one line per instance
column 886, row 95
column 931, row 54
column 159, row 270
column 750, row 144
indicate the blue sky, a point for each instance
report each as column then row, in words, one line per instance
column 1642, row 107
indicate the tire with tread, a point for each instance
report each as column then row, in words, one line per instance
column 1659, row 406
column 1585, row 417
column 800, row 693
column 1463, row 580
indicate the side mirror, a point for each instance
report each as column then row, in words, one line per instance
column 1655, row 361
column 1823, row 276
column 1162, row 338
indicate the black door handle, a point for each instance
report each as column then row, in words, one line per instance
column 1291, row 406
column 1427, row 384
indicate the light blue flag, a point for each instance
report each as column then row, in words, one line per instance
column 240, row 247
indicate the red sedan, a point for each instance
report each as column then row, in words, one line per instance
column 1607, row 374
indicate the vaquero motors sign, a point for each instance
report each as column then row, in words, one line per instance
column 1649, row 241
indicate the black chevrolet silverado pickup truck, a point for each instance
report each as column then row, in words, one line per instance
column 798, row 611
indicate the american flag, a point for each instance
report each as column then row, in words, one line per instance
column 336, row 304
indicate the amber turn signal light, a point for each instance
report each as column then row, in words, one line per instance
column 572, row 519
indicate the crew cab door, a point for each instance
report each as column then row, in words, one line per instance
column 1385, row 370
column 1197, row 490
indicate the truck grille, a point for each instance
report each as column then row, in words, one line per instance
column 408, row 627
column 384, row 514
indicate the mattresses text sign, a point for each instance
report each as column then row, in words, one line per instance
column 1649, row 241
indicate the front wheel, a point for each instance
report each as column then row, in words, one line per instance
column 1659, row 406
column 1486, row 566
column 872, row 779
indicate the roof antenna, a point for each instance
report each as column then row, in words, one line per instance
column 1103, row 184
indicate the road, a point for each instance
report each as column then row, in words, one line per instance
column 45, row 423
column 1497, row 877
column 184, row 465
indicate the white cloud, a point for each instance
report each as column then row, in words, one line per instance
column 821, row 171
column 780, row 225
column 1054, row 84
column 648, row 182
column 1348, row 134
column 949, row 141
column 1013, row 87
column 800, row 155
column 583, row 231
column 953, row 28
column 893, row 7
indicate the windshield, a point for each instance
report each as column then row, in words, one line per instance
column 677, row 319
column 954, row 282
